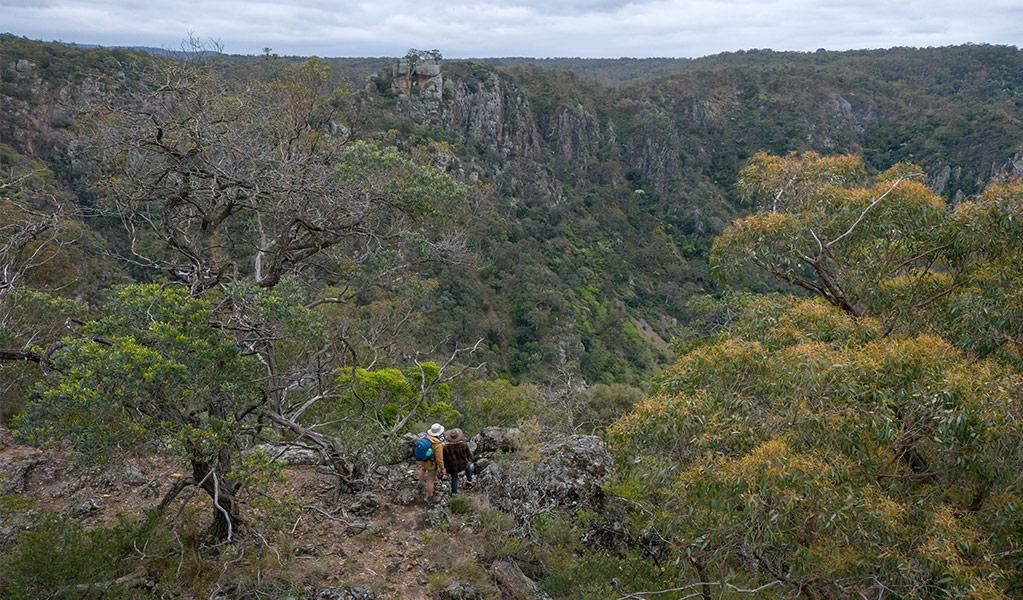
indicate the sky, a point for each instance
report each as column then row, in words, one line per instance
column 536, row 28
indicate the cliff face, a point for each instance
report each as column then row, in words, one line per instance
column 492, row 112
column 688, row 134
column 609, row 196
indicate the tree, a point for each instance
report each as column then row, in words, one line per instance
column 250, row 199
column 415, row 55
column 34, row 227
column 150, row 375
column 886, row 247
column 864, row 442
column 37, row 230
column 808, row 448
column 223, row 186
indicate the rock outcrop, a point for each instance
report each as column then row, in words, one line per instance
column 565, row 472
column 493, row 112
column 459, row 590
column 575, row 135
column 512, row 582
column 289, row 454
column 419, row 85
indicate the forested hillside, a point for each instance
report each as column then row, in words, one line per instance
column 806, row 263
column 601, row 200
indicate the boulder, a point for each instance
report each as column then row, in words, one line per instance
column 494, row 439
column 133, row 476
column 368, row 527
column 427, row 68
column 440, row 516
column 16, row 468
column 288, row 453
column 86, row 508
column 364, row 505
column 565, row 472
column 512, row 582
column 459, row 590
column 405, row 446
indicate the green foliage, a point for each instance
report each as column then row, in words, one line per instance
column 149, row 375
column 497, row 402
column 707, row 315
column 810, row 440
column 379, row 399
column 890, row 248
column 595, row 408
column 411, row 189
column 54, row 554
column 460, row 504
column 50, row 555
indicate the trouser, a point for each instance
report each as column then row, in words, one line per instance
column 454, row 479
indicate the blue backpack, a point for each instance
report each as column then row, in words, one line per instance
column 423, row 449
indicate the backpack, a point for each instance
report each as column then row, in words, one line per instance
column 423, row 450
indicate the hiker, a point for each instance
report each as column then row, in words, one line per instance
column 429, row 452
column 458, row 458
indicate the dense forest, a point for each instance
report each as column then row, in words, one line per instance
column 742, row 325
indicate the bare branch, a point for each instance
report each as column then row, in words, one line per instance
column 720, row 584
column 866, row 210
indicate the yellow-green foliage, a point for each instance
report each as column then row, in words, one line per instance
column 379, row 398
column 151, row 374
column 497, row 402
column 886, row 247
column 836, row 456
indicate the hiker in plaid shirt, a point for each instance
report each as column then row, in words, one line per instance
column 457, row 458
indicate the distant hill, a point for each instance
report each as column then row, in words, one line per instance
column 152, row 50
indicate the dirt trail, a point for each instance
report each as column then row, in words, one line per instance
column 382, row 548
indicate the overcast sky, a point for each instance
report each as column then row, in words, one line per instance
column 539, row 28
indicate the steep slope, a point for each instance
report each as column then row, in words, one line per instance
column 600, row 200
column 606, row 197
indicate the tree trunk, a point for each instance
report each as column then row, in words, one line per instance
column 226, row 509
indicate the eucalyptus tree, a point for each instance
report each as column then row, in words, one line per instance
column 806, row 449
column 885, row 246
column 864, row 442
column 247, row 200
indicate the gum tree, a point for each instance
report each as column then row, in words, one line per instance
column 865, row 441
column 885, row 246
column 807, row 449
column 150, row 375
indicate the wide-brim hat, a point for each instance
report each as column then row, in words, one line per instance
column 436, row 430
column 455, row 435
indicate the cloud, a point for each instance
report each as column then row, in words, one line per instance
column 463, row 28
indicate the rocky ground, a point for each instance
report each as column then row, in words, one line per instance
column 385, row 541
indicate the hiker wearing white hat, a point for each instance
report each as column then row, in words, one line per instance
column 429, row 453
